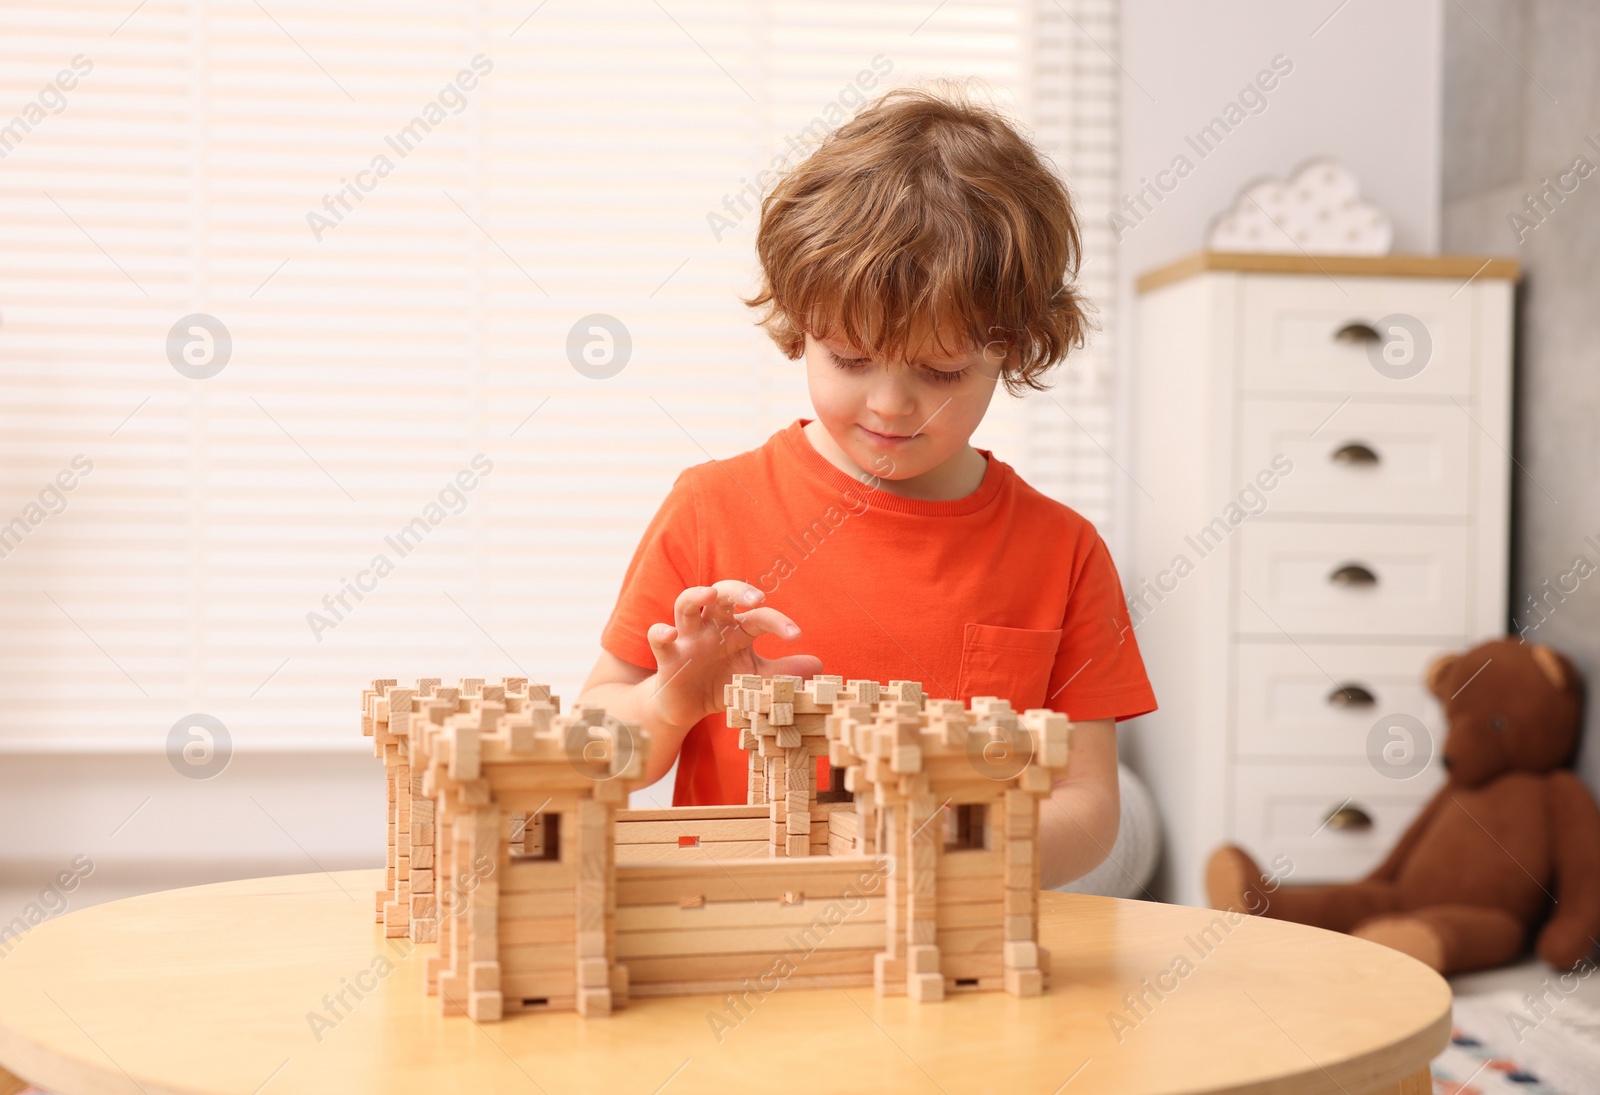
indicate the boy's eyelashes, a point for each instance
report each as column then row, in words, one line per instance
column 939, row 376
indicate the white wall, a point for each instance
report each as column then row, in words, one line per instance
column 1364, row 89
column 1512, row 123
column 140, row 825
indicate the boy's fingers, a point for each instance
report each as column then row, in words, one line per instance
column 767, row 621
column 686, row 610
column 795, row 665
column 737, row 596
column 714, row 606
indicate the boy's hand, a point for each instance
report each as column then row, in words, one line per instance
column 711, row 643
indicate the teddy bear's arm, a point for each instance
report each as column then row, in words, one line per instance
column 1574, row 924
column 1389, row 869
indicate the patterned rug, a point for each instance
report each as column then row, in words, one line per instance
column 1504, row 1042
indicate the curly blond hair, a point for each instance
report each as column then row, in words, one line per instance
column 925, row 206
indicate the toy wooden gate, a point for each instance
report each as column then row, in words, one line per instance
column 749, row 924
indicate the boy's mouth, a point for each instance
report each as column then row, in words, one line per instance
column 888, row 438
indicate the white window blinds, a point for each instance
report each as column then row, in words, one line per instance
column 395, row 215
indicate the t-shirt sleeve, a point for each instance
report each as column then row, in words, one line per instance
column 666, row 562
column 1099, row 673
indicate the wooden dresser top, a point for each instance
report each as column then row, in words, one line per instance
column 1394, row 266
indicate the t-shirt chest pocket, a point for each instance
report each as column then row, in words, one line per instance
column 1013, row 663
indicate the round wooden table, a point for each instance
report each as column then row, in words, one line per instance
column 214, row 989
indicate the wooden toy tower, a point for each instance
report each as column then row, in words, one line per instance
column 782, row 723
column 953, row 796
column 512, row 805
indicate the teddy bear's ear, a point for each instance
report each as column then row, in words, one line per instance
column 1552, row 665
column 1441, row 665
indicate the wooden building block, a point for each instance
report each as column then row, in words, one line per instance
column 520, row 735
column 1022, row 954
column 825, row 688
column 888, row 975
column 484, row 1007
column 1035, row 778
column 483, row 977
column 906, row 758
column 593, row 973
column 1018, row 928
column 1024, row 982
column 465, row 750
column 594, row 1003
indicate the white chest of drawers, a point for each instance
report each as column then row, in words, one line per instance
column 1321, row 507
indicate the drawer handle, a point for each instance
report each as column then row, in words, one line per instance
column 1351, row 695
column 1355, row 453
column 1349, row 819
column 1353, row 574
column 1358, row 332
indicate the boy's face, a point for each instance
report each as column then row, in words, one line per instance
column 902, row 419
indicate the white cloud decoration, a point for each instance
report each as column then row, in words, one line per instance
column 1318, row 210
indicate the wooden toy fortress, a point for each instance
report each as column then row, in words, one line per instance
column 916, row 870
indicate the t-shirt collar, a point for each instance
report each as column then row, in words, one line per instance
column 816, row 465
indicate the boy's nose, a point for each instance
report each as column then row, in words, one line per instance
column 891, row 399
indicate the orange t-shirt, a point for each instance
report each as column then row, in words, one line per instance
column 1005, row 592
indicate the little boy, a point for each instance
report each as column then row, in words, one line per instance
column 922, row 254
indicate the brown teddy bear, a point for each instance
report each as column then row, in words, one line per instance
column 1511, row 840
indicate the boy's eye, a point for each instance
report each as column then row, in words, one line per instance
column 938, row 376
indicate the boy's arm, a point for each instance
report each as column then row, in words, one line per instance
column 626, row 691
column 1078, row 821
